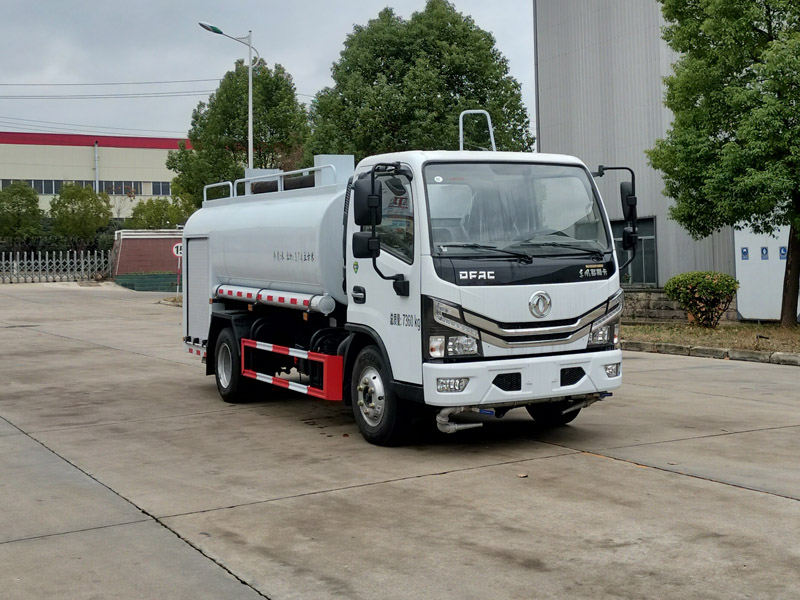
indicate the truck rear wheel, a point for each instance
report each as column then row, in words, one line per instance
column 382, row 419
column 227, row 368
column 549, row 414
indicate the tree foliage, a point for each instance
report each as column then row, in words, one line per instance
column 160, row 213
column 219, row 137
column 79, row 212
column 401, row 84
column 732, row 155
column 20, row 215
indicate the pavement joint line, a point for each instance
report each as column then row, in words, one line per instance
column 85, row 529
column 374, row 483
column 599, row 454
column 702, row 437
column 142, row 420
column 140, row 509
column 150, row 356
column 657, row 387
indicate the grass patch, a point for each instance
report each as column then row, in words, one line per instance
column 743, row 336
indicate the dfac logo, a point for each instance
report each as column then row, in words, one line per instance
column 476, row 274
column 540, row 304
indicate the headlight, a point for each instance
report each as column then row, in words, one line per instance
column 605, row 330
column 446, row 332
column 461, row 344
column 444, row 313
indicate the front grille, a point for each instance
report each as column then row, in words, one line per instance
column 508, row 382
column 571, row 376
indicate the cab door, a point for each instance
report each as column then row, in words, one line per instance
column 372, row 301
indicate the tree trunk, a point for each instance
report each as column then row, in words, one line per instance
column 791, row 279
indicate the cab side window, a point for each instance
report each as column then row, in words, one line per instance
column 397, row 222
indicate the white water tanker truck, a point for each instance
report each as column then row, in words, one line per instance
column 437, row 282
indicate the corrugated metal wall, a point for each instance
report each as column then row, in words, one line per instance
column 600, row 65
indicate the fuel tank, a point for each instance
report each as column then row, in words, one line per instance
column 291, row 240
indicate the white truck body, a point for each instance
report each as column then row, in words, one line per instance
column 474, row 325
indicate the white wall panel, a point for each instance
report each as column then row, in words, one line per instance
column 600, row 65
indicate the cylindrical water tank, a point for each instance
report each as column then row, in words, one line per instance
column 289, row 241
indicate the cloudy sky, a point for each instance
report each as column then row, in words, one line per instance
column 111, row 41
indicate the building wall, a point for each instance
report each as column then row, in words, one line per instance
column 56, row 157
column 599, row 68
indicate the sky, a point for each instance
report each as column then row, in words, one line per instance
column 111, row 41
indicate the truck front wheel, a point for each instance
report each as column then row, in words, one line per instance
column 382, row 419
column 227, row 368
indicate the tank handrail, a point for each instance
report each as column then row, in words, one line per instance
column 461, row 127
column 279, row 176
column 220, row 184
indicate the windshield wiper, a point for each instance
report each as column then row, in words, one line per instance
column 522, row 256
column 560, row 245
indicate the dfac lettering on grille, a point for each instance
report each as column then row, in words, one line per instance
column 476, row 274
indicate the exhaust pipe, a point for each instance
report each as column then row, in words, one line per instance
column 443, row 419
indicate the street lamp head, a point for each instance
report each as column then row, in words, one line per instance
column 210, row 27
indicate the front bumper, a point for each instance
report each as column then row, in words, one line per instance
column 540, row 379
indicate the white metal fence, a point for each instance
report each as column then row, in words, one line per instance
column 34, row 267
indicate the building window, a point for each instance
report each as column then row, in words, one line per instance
column 57, row 186
column 642, row 271
column 6, row 183
column 161, row 188
column 47, row 188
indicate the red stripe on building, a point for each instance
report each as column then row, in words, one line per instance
column 103, row 141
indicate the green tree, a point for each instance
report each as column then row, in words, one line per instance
column 20, row 215
column 401, row 84
column 219, row 131
column 732, row 155
column 78, row 212
column 160, row 213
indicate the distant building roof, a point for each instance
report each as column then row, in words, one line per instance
column 104, row 141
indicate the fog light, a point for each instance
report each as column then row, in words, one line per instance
column 462, row 344
column 436, row 346
column 612, row 370
column 451, row 384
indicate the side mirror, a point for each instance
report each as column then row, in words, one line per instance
column 628, row 201
column 366, row 246
column 366, row 202
column 630, row 237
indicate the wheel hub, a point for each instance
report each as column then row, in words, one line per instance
column 371, row 396
column 224, row 365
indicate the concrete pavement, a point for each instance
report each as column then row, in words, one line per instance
column 123, row 475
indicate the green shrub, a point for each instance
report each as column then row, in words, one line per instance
column 705, row 295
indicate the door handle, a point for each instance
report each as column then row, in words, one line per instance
column 359, row 295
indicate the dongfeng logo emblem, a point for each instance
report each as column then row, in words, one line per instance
column 540, row 304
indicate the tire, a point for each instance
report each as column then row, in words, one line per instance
column 382, row 418
column 227, row 369
column 549, row 414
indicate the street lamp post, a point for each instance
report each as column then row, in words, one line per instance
column 247, row 41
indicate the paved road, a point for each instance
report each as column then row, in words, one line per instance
column 123, row 475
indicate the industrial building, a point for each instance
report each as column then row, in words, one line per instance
column 599, row 77
column 128, row 169
column 599, row 69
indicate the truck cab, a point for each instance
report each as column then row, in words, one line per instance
column 487, row 280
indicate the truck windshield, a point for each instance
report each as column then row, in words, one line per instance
column 532, row 208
